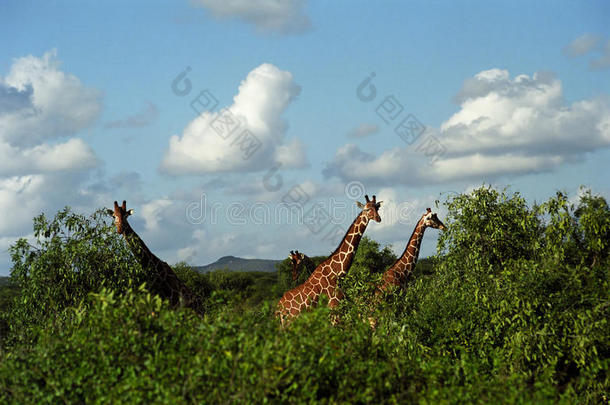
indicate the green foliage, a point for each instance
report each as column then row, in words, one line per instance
column 369, row 264
column 8, row 293
column 71, row 255
column 198, row 283
column 515, row 309
column 577, row 235
column 488, row 228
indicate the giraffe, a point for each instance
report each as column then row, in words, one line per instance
column 299, row 259
column 295, row 259
column 324, row 278
column 165, row 282
column 398, row 273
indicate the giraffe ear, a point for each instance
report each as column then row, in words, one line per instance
column 379, row 203
column 130, row 212
column 360, row 205
column 109, row 212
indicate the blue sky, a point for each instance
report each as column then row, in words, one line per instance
column 511, row 94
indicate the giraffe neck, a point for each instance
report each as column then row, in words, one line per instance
column 344, row 254
column 294, row 272
column 406, row 263
column 138, row 247
column 165, row 282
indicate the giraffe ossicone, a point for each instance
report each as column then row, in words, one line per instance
column 324, row 278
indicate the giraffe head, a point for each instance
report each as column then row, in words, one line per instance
column 120, row 214
column 371, row 208
column 431, row 220
column 296, row 257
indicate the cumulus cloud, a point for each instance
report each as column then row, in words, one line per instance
column 525, row 116
column 581, row 45
column 38, row 102
column 41, row 102
column 505, row 126
column 71, row 155
column 363, row 130
column 142, row 118
column 391, row 166
column 286, row 16
column 24, row 197
column 246, row 136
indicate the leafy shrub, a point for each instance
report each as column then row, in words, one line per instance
column 514, row 309
column 71, row 256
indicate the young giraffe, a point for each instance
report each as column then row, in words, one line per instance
column 165, row 283
column 324, row 278
column 398, row 273
column 297, row 258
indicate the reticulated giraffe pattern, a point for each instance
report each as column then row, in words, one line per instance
column 398, row 273
column 324, row 278
column 165, row 281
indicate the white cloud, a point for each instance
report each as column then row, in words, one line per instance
column 392, row 166
column 581, row 45
column 254, row 140
column 151, row 212
column 526, row 117
column 291, row 155
column 50, row 103
column 286, row 16
column 39, row 173
column 73, row 154
column 505, row 126
column 38, row 102
column 25, row 197
column 363, row 130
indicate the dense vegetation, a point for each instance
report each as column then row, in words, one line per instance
column 514, row 308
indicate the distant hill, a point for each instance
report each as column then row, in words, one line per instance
column 4, row 281
column 239, row 264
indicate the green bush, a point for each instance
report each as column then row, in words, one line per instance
column 514, row 309
column 71, row 256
